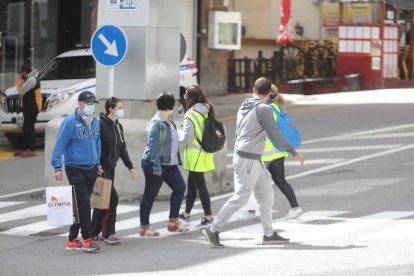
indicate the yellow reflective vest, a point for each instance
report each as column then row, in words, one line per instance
column 270, row 152
column 195, row 158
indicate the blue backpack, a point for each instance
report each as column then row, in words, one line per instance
column 288, row 128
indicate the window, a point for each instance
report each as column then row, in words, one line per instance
column 78, row 67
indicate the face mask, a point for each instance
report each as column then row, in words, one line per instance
column 170, row 112
column 89, row 109
column 119, row 113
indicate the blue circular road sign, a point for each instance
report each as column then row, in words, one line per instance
column 109, row 45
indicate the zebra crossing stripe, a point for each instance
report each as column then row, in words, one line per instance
column 42, row 226
column 382, row 136
column 194, row 226
column 33, row 211
column 281, row 223
column 351, row 148
column 316, row 161
column 154, row 218
column 10, row 203
column 317, row 232
column 400, row 229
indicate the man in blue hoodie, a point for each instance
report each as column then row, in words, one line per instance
column 79, row 142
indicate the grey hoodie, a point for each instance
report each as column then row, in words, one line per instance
column 254, row 123
column 188, row 127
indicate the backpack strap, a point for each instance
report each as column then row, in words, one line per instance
column 275, row 110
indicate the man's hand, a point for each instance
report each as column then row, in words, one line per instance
column 157, row 173
column 300, row 158
column 59, row 176
column 133, row 173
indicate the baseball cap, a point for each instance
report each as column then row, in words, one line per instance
column 87, row 97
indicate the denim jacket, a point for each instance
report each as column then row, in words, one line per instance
column 158, row 148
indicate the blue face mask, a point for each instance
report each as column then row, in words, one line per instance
column 120, row 114
column 89, row 109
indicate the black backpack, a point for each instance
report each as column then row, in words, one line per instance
column 214, row 136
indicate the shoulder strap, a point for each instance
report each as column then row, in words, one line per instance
column 200, row 113
column 275, row 109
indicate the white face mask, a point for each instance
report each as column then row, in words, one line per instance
column 119, row 114
column 170, row 112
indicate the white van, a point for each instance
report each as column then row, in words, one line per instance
column 62, row 80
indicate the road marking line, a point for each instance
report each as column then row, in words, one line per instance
column 352, row 148
column 400, row 229
column 318, row 232
column 381, row 136
column 22, row 193
column 42, row 226
column 33, row 211
column 10, row 203
column 6, row 155
column 156, row 218
column 280, row 223
column 348, row 187
column 317, row 140
column 316, row 161
column 350, row 161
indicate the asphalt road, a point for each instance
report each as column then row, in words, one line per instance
column 356, row 189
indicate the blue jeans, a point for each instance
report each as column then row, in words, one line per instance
column 83, row 180
column 172, row 176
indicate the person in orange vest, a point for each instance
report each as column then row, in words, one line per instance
column 28, row 87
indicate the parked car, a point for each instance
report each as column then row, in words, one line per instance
column 62, row 80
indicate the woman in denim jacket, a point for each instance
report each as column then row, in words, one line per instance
column 160, row 164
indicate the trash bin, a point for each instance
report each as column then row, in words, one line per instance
column 353, row 82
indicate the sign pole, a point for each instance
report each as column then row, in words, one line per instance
column 111, row 82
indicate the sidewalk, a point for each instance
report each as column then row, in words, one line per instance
column 227, row 105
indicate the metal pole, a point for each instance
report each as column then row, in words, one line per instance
column 111, row 82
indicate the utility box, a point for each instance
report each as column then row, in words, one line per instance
column 151, row 64
column 224, row 30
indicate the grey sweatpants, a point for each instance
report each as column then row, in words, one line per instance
column 249, row 176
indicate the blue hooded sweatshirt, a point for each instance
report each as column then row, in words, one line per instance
column 80, row 145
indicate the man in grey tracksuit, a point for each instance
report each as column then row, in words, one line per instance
column 254, row 123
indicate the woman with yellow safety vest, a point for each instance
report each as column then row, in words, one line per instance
column 196, row 160
column 275, row 161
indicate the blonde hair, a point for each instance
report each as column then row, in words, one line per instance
column 277, row 98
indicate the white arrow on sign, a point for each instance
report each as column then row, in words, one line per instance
column 111, row 47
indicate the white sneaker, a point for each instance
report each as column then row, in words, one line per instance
column 246, row 215
column 294, row 213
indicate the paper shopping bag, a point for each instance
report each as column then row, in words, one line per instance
column 61, row 207
column 101, row 194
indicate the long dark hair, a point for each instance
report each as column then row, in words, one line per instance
column 111, row 103
column 194, row 95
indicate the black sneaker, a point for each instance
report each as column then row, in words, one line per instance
column 184, row 220
column 212, row 238
column 205, row 223
column 274, row 239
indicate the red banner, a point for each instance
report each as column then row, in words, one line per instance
column 285, row 35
